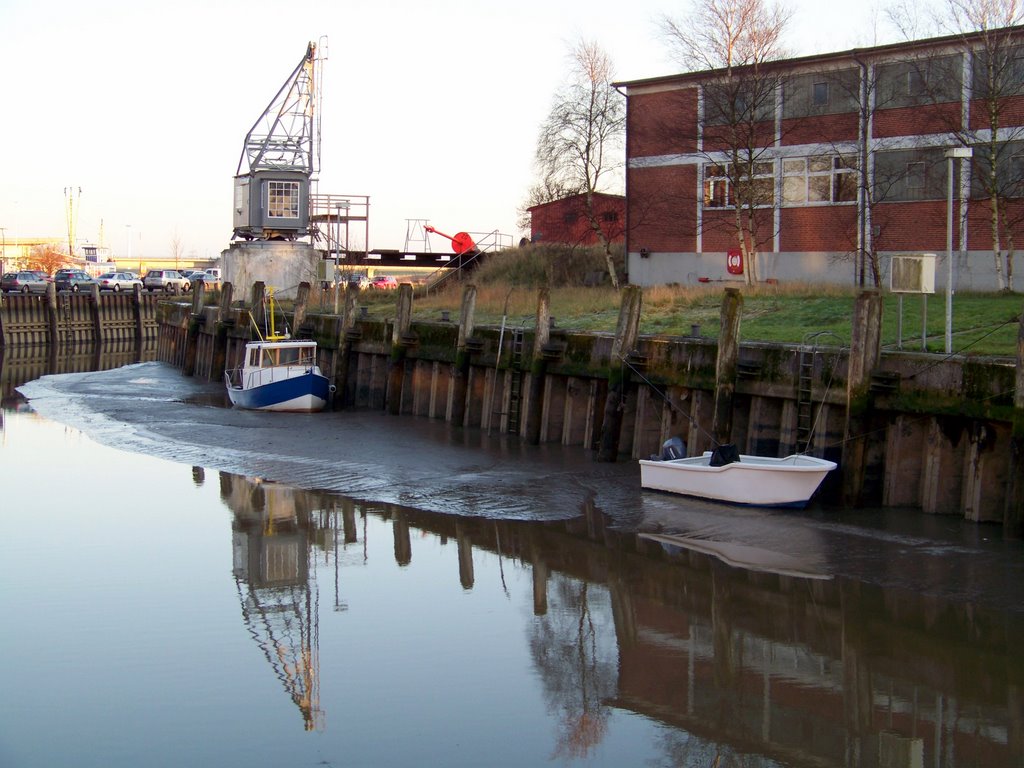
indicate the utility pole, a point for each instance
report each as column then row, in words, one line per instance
column 72, row 216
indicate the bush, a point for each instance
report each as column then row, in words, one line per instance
column 551, row 264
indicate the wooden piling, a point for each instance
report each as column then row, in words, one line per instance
column 626, row 333
column 725, row 365
column 865, row 353
column 399, row 342
column 50, row 303
column 1013, row 515
column 538, row 367
column 137, row 318
column 94, row 314
column 301, row 305
column 343, row 345
column 460, row 371
column 257, row 304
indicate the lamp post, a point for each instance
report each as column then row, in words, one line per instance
column 954, row 153
column 3, row 257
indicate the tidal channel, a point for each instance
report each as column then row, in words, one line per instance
column 187, row 584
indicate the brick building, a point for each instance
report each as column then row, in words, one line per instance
column 826, row 166
column 566, row 220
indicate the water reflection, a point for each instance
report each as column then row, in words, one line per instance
column 21, row 364
column 749, row 667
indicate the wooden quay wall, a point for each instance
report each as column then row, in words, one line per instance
column 75, row 319
column 939, row 434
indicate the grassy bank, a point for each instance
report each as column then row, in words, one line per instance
column 507, row 286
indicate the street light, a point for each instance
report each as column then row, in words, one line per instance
column 954, row 153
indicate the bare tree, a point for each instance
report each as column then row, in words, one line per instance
column 994, row 50
column 739, row 38
column 46, row 258
column 177, row 248
column 998, row 76
column 580, row 146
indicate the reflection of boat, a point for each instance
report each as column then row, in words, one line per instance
column 278, row 374
column 738, row 479
column 748, row 538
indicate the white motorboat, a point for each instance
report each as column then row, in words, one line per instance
column 278, row 374
column 738, row 478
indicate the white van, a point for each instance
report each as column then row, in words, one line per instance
column 213, row 272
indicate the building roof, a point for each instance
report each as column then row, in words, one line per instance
column 853, row 54
column 570, row 198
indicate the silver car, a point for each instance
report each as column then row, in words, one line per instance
column 166, row 280
column 26, row 281
column 118, row 281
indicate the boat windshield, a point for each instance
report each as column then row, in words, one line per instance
column 268, row 357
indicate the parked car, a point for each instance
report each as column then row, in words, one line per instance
column 362, row 282
column 214, row 272
column 209, row 282
column 384, row 282
column 165, row 280
column 118, row 281
column 26, row 281
column 72, row 280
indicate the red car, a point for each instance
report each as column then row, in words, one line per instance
column 384, row 282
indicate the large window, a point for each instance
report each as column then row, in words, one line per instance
column 283, row 199
column 725, row 185
column 819, row 179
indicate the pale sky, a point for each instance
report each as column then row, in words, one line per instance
column 430, row 108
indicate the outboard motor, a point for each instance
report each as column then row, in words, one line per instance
column 673, row 448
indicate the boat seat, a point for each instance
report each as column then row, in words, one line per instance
column 724, row 454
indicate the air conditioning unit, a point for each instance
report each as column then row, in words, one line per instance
column 912, row 273
column 326, row 269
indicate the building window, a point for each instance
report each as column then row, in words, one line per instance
column 716, row 187
column 916, row 83
column 283, row 199
column 724, row 184
column 1016, row 180
column 819, row 179
column 570, row 218
column 610, row 216
column 819, row 94
column 915, row 175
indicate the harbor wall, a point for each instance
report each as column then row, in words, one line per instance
column 75, row 319
column 933, row 433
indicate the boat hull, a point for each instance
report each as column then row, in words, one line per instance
column 302, row 394
column 753, row 480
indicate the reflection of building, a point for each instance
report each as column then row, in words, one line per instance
column 758, row 664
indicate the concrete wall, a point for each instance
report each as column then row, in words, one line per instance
column 972, row 271
column 280, row 265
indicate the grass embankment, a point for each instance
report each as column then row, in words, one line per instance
column 507, row 285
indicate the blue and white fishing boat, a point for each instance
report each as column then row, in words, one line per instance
column 279, row 373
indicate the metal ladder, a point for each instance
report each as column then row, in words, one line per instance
column 515, row 394
column 804, row 404
column 805, row 411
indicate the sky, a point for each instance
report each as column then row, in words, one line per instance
column 137, row 112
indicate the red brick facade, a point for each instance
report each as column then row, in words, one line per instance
column 566, row 220
column 847, row 153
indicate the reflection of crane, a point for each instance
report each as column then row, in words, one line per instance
column 461, row 241
column 279, row 597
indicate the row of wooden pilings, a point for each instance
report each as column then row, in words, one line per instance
column 81, row 318
column 634, row 370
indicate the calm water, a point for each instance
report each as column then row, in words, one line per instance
column 160, row 612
